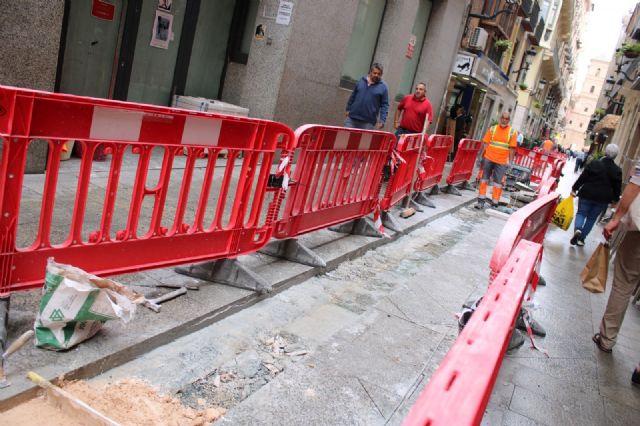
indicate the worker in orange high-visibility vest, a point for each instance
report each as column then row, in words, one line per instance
column 547, row 145
column 497, row 152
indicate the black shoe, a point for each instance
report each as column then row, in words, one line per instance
column 494, row 205
column 479, row 205
column 576, row 237
column 635, row 377
column 580, row 243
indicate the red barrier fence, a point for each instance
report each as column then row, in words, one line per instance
column 399, row 185
column 459, row 390
column 337, row 178
column 438, row 147
column 464, row 162
column 536, row 161
column 529, row 223
column 241, row 222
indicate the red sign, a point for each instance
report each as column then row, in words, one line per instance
column 103, row 10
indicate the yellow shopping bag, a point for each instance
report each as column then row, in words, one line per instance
column 563, row 216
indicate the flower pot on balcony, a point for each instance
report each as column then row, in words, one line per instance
column 631, row 54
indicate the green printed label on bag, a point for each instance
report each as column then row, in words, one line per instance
column 56, row 315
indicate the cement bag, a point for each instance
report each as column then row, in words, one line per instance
column 75, row 304
column 563, row 216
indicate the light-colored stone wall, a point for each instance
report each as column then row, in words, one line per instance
column 30, row 33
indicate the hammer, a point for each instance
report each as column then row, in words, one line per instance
column 20, row 341
column 154, row 304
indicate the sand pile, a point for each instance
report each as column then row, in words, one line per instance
column 128, row 402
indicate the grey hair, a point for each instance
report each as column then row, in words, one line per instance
column 611, row 151
column 377, row 65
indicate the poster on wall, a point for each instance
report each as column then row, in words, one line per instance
column 165, row 4
column 162, row 26
column 284, row 12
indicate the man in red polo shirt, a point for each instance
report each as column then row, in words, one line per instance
column 414, row 110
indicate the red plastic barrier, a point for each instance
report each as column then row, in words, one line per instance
column 237, row 225
column 460, row 388
column 529, row 223
column 430, row 174
column 399, row 185
column 536, row 161
column 337, row 177
column 464, row 162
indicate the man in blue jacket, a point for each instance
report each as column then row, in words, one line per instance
column 368, row 104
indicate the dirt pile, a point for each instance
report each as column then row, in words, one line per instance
column 128, row 402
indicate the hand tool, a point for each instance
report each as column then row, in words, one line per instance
column 154, row 304
column 17, row 344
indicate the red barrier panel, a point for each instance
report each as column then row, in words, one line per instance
column 430, row 175
column 399, row 185
column 464, row 162
column 536, row 161
column 337, row 178
column 459, row 390
column 529, row 223
column 241, row 222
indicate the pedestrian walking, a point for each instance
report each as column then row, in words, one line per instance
column 368, row 105
column 598, row 185
column 626, row 271
column 462, row 129
column 414, row 111
column 496, row 153
column 580, row 157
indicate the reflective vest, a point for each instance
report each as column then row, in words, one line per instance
column 501, row 144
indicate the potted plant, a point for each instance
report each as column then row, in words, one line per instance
column 537, row 105
column 630, row 50
column 523, row 86
column 502, row 45
column 599, row 112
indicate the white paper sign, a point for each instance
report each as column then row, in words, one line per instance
column 284, row 12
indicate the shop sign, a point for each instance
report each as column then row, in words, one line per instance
column 488, row 73
column 463, row 64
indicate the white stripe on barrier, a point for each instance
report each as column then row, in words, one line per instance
column 342, row 140
column 115, row 124
column 365, row 141
column 201, row 131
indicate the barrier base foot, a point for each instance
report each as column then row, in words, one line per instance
column 435, row 190
column 362, row 226
column 517, row 340
column 542, row 281
column 420, row 198
column 4, row 322
column 226, row 271
column 389, row 222
column 292, row 250
column 451, row 189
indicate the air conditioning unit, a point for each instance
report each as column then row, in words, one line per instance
column 478, row 40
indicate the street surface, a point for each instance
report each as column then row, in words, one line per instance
column 356, row 345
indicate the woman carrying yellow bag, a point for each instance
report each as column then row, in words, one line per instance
column 598, row 185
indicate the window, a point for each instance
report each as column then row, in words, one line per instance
column 598, row 72
column 243, row 30
column 364, row 37
column 593, row 88
column 570, row 121
column 586, row 109
column 580, row 125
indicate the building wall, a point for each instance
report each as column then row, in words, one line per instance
column 30, row 38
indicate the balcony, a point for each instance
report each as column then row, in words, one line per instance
column 503, row 23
